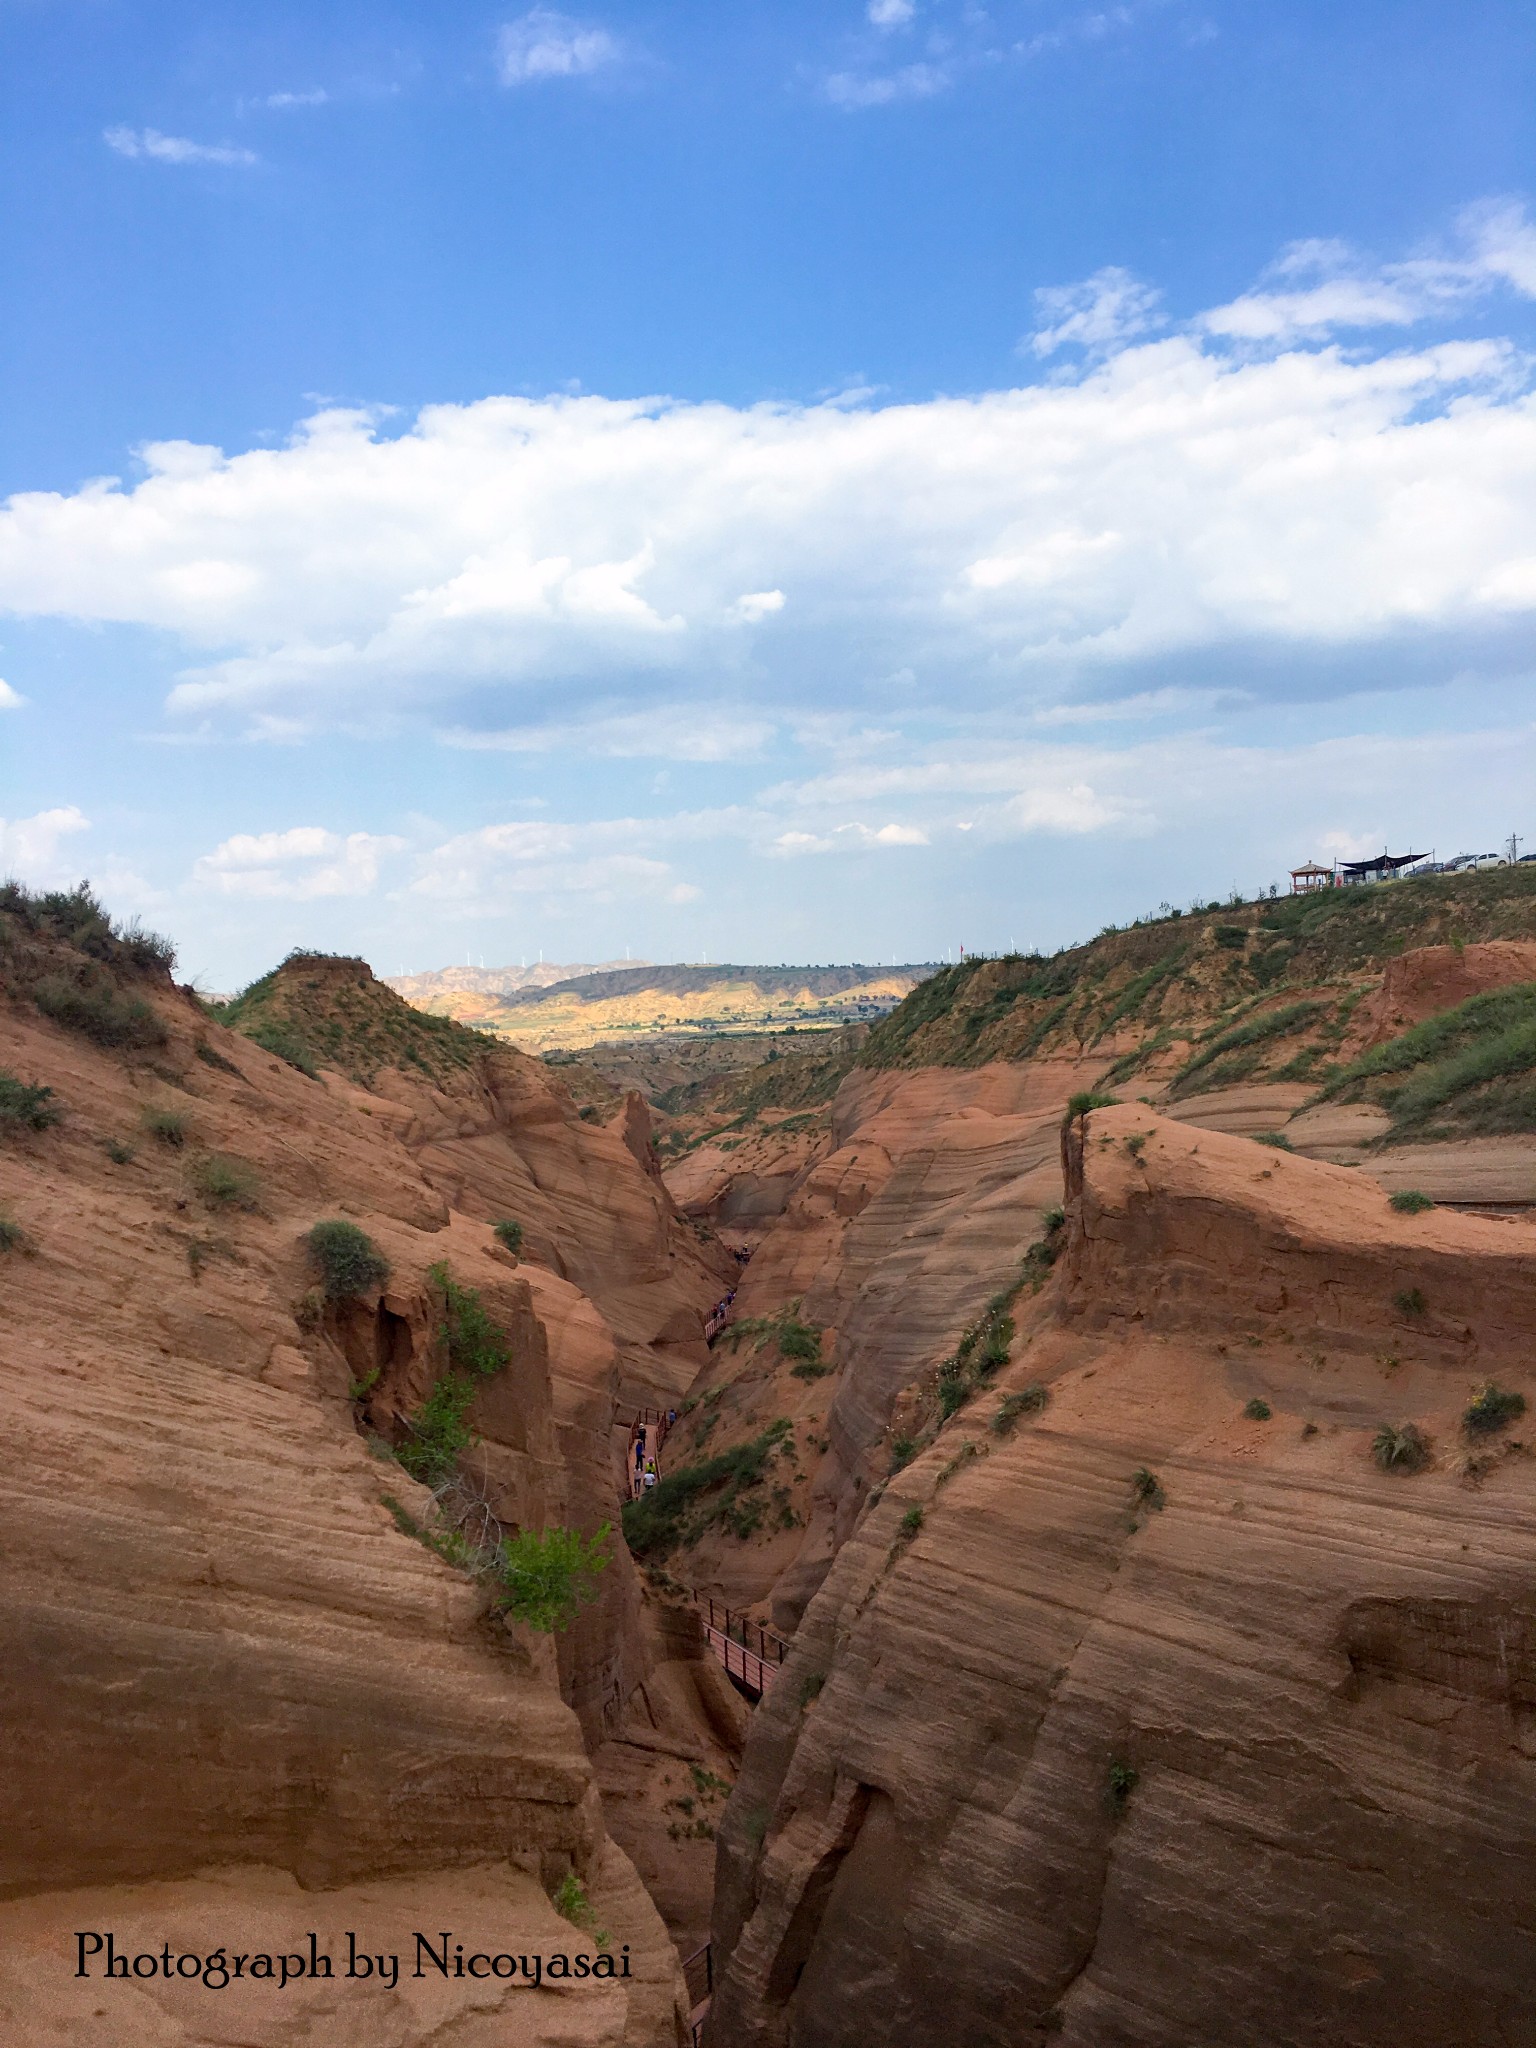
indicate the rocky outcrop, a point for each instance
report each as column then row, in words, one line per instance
column 1428, row 979
column 1151, row 1716
column 225, row 1651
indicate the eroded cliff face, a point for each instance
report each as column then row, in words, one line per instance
column 934, row 1184
column 1138, row 1718
column 237, row 1700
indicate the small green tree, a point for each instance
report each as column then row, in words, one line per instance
column 476, row 1343
column 510, row 1234
column 347, row 1259
column 546, row 1578
column 440, row 1432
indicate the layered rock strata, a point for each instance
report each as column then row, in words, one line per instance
column 1153, row 1716
column 224, row 1652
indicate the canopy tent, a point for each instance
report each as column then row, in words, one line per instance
column 1381, row 864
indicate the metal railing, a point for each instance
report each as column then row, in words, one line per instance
column 765, row 1643
column 699, row 1976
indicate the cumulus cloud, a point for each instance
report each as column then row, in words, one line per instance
column 890, row 13
column 10, row 700
column 298, row 865
column 1100, row 314
column 173, row 149
column 31, row 848
column 516, row 570
column 1317, row 286
column 545, row 44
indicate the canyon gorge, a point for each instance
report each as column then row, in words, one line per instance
column 1120, row 1415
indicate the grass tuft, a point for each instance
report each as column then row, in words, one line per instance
column 1400, row 1447
column 1409, row 1202
column 227, row 1183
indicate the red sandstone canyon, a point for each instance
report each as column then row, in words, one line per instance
column 1119, row 1446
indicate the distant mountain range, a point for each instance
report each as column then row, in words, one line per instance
column 495, row 981
column 639, row 1000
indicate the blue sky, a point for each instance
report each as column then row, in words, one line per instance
column 765, row 481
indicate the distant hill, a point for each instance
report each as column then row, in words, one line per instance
column 638, row 1001
column 421, row 989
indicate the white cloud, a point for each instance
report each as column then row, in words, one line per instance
column 855, row 838
column 284, row 100
column 1102, row 313
column 856, row 89
column 173, row 149
column 297, row 865
column 30, row 848
column 545, row 44
column 890, row 13
column 1318, row 286
column 10, row 700
column 671, row 732
column 523, row 572
column 757, row 604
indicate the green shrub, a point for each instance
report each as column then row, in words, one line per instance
column 476, row 1344
column 1258, row 1411
column 1493, row 1410
column 810, row 1369
column 1254, row 1031
column 684, row 1503
column 1278, row 1139
column 1086, row 1100
column 347, row 1259
column 903, row 1451
column 997, row 1343
column 911, row 1522
column 1400, row 1447
column 546, row 1579
column 1410, row 1202
column 25, row 1107
column 119, row 1153
column 168, row 1125
column 510, row 1234
column 212, row 1058
column 226, row 1183
column 1123, row 1779
column 1409, row 1302
column 570, row 1901
column 1029, row 1401
column 12, row 1237
column 439, row 1431
column 799, row 1340
column 954, row 1390
column 1147, row 1488
column 98, row 1012
column 283, row 1042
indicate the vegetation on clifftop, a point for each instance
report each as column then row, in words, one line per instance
column 1258, row 988
column 322, row 1009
